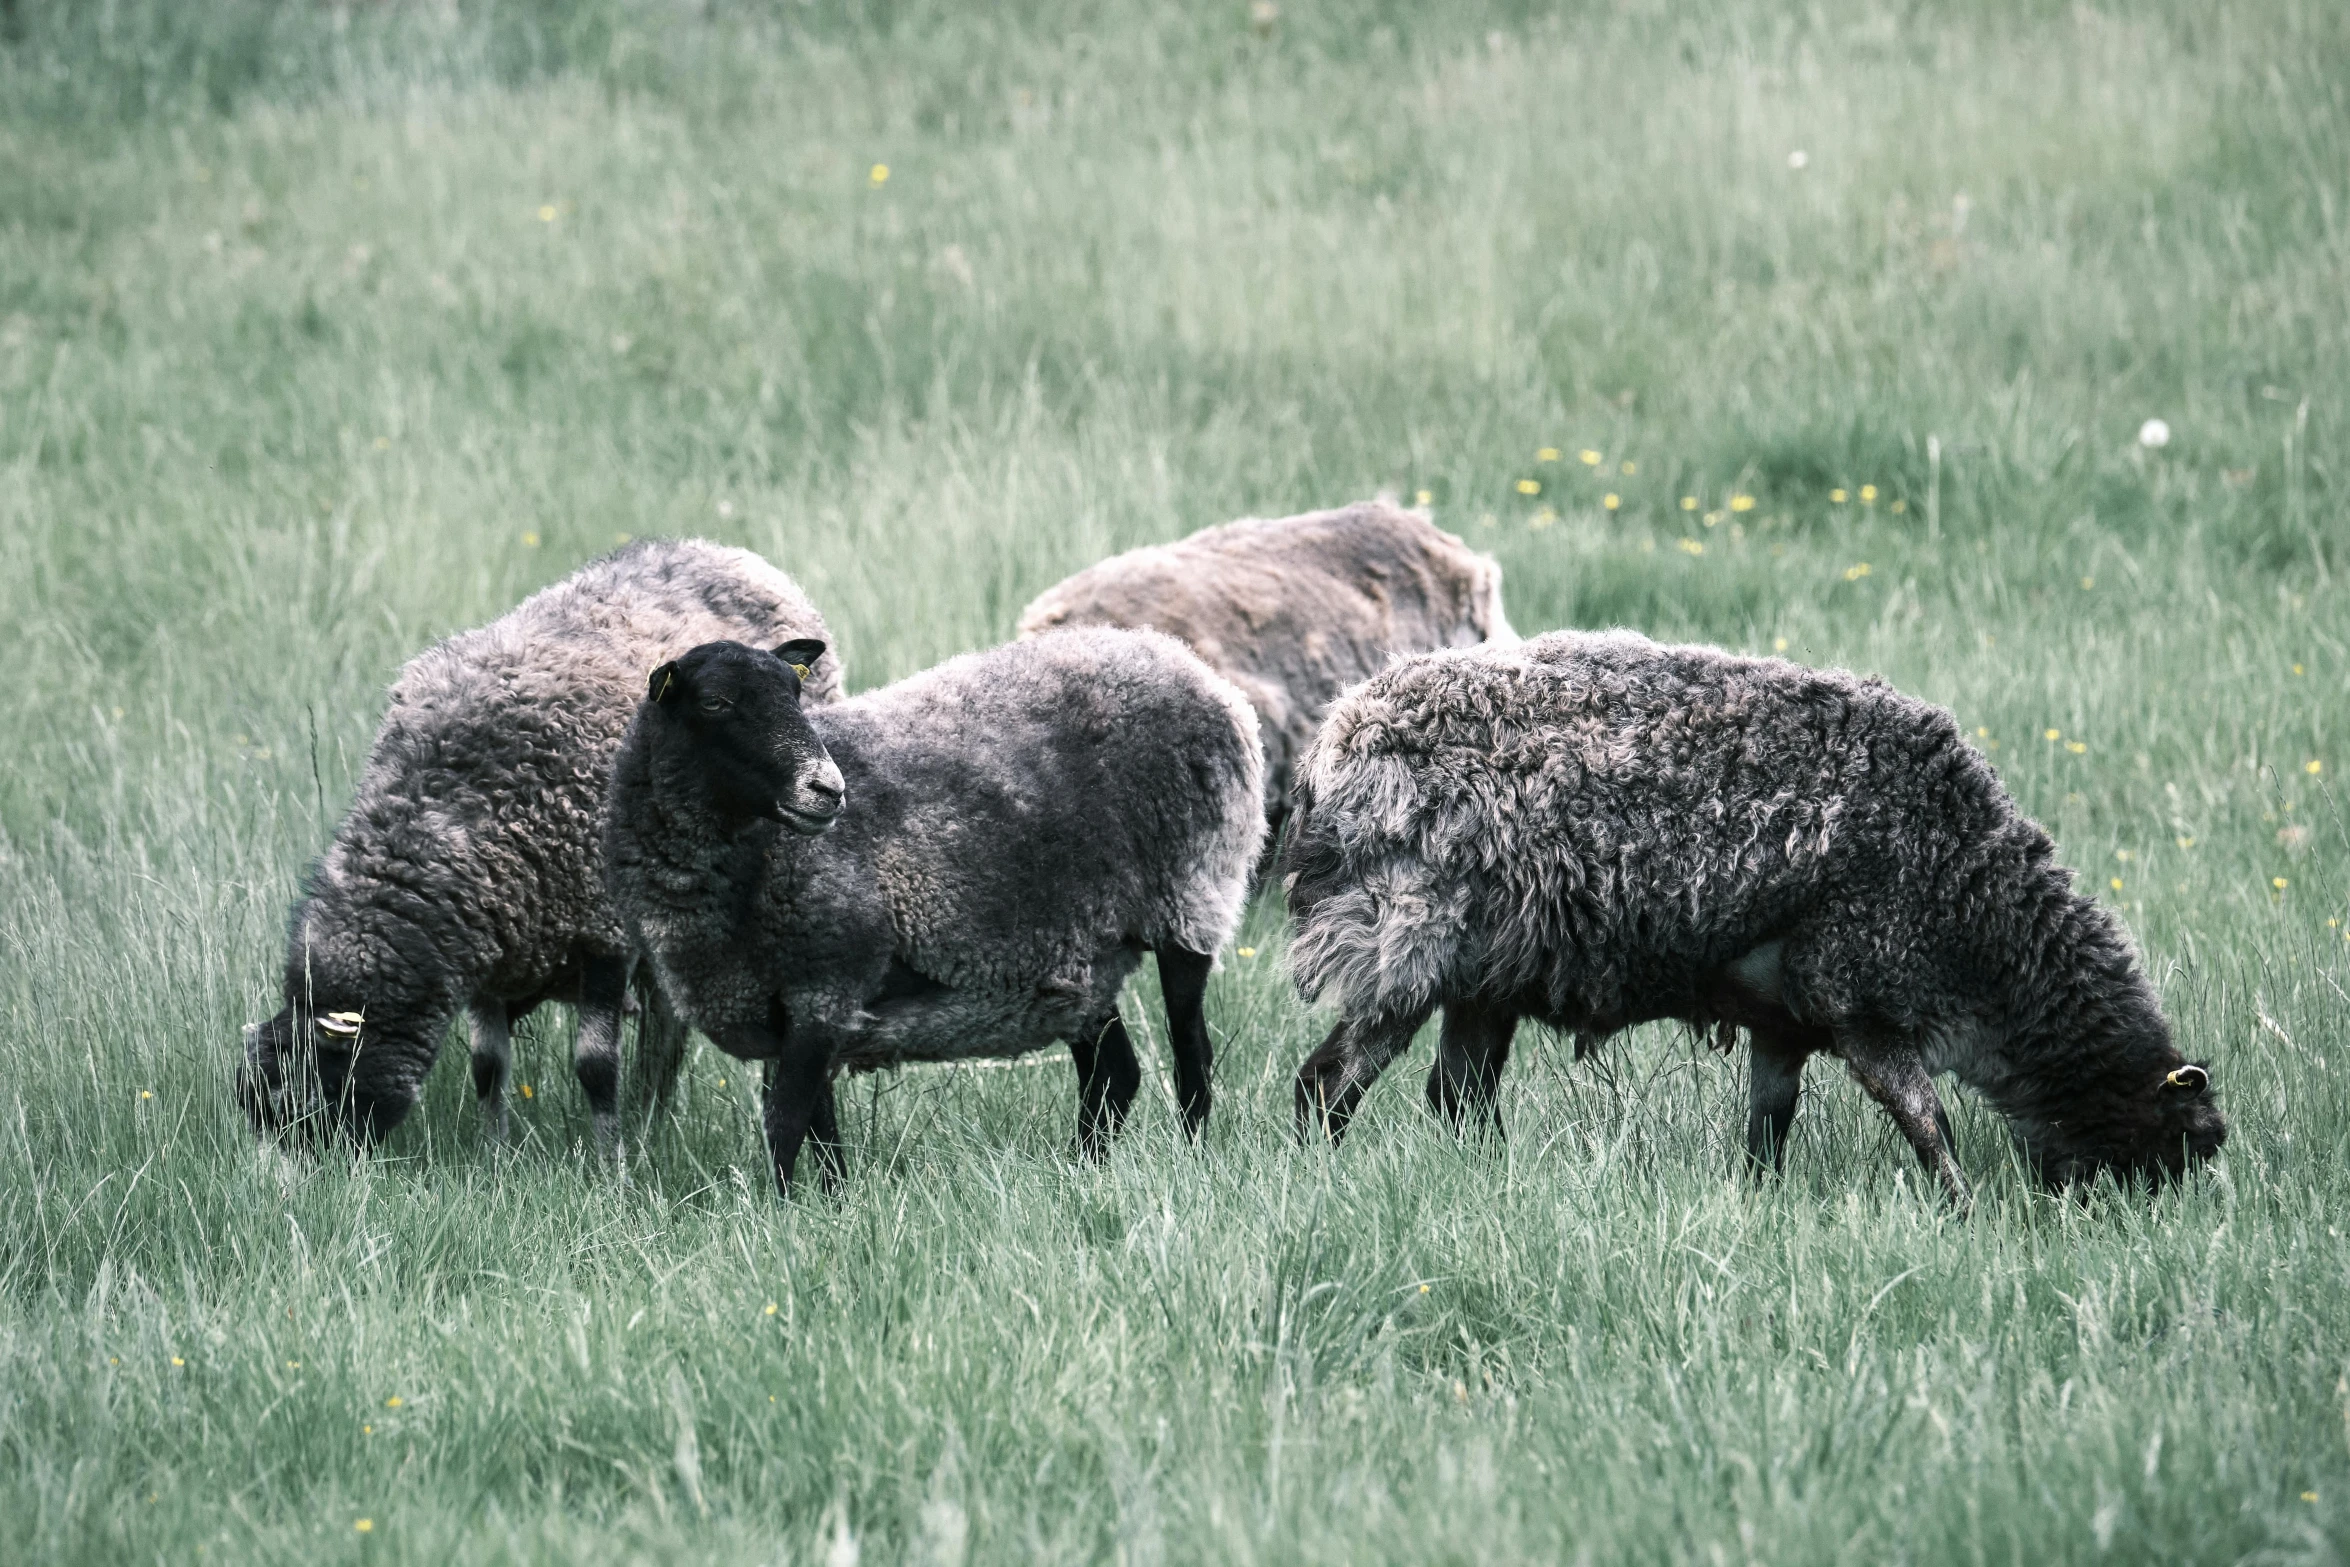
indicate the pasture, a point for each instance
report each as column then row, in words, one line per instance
column 325, row 330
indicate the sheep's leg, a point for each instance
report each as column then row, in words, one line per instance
column 1107, row 1076
column 1774, row 1085
column 660, row 1051
column 1183, row 981
column 595, row 1059
column 493, row 1062
column 1470, row 1054
column 824, row 1135
column 1333, row 1080
column 795, row 1098
column 1895, row 1076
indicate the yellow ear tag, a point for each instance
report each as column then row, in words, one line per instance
column 341, row 1023
column 800, row 670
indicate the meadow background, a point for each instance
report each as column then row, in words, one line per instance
column 326, row 329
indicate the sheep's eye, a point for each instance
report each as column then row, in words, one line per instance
column 714, row 705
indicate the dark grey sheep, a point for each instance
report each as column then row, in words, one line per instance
column 468, row 874
column 968, row 863
column 1596, row 831
column 1293, row 609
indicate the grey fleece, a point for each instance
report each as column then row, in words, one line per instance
column 1594, row 830
column 1020, row 824
column 468, row 873
column 1293, row 609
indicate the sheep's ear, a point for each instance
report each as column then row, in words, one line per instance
column 801, row 655
column 661, row 685
column 2189, row 1079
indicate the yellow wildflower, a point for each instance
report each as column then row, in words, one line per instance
column 1627, row 468
column 175, row 1360
column 1778, row 644
column 880, row 174
column 530, row 541
column 394, row 1402
column 1591, row 459
column 2313, row 768
column 1868, row 495
column 1611, row 500
column 1547, row 454
column 1838, row 496
column 1692, row 547
column 146, row 1093
column 525, row 1090
column 1856, row 571
column 2279, row 883
column 1689, row 503
column 2076, row 747
column 2116, row 884
column 1246, row 952
column 2297, row 669
column 2052, row 734
column 1742, row 503
column 1529, row 486
column 1425, row 496
column 2087, row 583
column 2186, row 840
column 771, row 1308
column 547, row 213
column 364, row 1525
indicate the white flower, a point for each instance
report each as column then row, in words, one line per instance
column 1798, row 158
column 2153, row 433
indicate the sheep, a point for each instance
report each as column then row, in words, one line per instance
column 1594, row 831
column 1293, row 609
column 467, row 875
column 968, row 863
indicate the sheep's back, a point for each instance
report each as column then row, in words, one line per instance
column 1022, row 802
column 1293, row 609
column 1600, row 818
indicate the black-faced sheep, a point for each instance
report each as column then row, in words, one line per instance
column 1596, row 831
column 1293, row 609
column 468, row 874
column 968, row 863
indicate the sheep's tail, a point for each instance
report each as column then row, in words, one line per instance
column 1224, row 856
column 1375, row 929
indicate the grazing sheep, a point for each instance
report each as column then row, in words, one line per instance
column 468, row 875
column 1596, row 831
column 1293, row 609
column 968, row 863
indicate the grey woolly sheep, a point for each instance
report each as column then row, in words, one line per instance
column 968, row 863
column 1595, row 831
column 1293, row 609
column 468, row 874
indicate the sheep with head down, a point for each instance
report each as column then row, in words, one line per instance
column 1594, row 831
column 467, row 875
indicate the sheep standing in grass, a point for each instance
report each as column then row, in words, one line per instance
column 968, row 863
column 1293, row 609
column 1596, row 831
column 468, row 874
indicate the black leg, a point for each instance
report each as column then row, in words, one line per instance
column 824, row 1135
column 1333, row 1080
column 1895, row 1076
column 660, row 1050
column 1774, row 1084
column 1107, row 1076
column 493, row 1056
column 796, row 1090
column 1465, row 1082
column 595, row 1058
column 1183, row 980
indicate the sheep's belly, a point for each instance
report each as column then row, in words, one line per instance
column 959, row 1025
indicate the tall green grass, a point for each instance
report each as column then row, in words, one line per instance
column 325, row 330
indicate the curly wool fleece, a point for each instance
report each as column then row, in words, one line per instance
column 469, row 870
column 1596, row 831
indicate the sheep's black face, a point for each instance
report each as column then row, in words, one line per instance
column 734, row 713
column 299, row 1079
column 2158, row 1132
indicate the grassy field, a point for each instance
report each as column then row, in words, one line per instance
column 328, row 329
